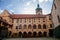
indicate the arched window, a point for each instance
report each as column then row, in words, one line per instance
column 16, row 27
column 44, row 26
column 39, row 26
column 34, row 26
column 29, row 26
column 25, row 26
column 20, row 27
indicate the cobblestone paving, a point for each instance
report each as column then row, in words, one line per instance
column 31, row 39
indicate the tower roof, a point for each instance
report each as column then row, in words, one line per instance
column 38, row 7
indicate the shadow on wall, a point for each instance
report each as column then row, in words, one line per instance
column 57, row 32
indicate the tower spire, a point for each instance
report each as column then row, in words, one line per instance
column 37, row 3
column 38, row 9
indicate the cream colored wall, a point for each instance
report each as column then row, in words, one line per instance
column 5, row 15
column 55, row 13
column 47, row 22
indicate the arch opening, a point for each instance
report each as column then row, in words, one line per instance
column 20, row 34
column 45, row 34
column 34, row 34
column 39, row 34
column 24, row 34
column 29, row 34
column 34, row 26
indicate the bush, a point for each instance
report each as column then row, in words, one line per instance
column 57, row 32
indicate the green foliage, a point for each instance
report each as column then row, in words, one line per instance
column 57, row 32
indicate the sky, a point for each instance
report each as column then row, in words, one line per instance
column 25, row 6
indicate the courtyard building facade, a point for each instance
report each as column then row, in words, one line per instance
column 4, row 25
column 29, row 25
column 55, row 13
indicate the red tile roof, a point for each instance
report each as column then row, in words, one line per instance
column 27, row 16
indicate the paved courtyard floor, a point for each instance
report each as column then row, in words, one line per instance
column 31, row 39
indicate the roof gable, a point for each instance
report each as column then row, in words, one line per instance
column 5, row 13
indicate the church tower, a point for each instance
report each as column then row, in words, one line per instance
column 38, row 9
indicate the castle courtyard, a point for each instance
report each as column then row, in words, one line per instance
column 32, row 39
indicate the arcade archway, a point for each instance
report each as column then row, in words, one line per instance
column 39, row 34
column 24, row 34
column 29, row 34
column 45, row 34
column 34, row 34
column 20, row 34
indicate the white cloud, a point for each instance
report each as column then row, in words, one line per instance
column 12, row 10
column 1, row 11
column 28, row 10
column 51, row 0
column 46, row 0
column 28, row 3
column 42, row 0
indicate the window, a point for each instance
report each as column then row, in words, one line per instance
column 29, row 20
column 39, row 20
column 16, row 27
column 29, row 26
column 17, row 20
column 50, row 25
column 49, row 18
column 25, row 20
column 34, row 20
column 12, row 20
column 44, row 26
column 58, row 18
column 43, row 21
column 20, row 20
column 20, row 27
column 39, row 26
column 34, row 26
column 43, row 18
column 25, row 26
